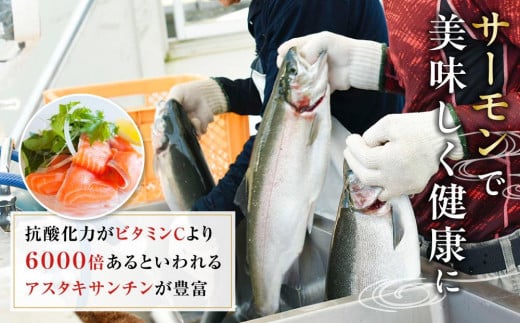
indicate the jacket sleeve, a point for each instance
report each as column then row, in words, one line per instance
column 389, row 78
column 241, row 95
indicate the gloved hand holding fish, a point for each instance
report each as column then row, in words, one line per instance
column 373, row 241
column 386, row 154
column 201, row 100
column 350, row 60
column 286, row 174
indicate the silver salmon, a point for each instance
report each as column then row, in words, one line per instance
column 372, row 242
column 179, row 162
column 285, row 175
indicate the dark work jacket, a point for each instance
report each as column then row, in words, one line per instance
column 272, row 22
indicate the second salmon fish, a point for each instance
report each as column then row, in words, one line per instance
column 373, row 241
column 178, row 160
column 286, row 174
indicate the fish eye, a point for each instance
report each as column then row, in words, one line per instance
column 291, row 70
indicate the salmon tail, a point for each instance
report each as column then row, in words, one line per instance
column 310, row 217
column 241, row 196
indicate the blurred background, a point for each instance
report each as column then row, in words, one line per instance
column 79, row 43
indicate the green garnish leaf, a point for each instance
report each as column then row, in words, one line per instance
column 58, row 120
column 43, row 141
column 40, row 148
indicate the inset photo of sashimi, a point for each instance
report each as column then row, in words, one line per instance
column 82, row 156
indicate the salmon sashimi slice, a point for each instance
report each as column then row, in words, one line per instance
column 123, row 169
column 120, row 143
column 82, row 187
column 92, row 157
column 48, row 181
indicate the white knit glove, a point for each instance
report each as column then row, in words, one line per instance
column 201, row 100
column 352, row 62
column 401, row 152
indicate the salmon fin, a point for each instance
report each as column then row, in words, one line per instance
column 304, row 282
column 292, row 275
column 398, row 230
column 315, row 128
column 310, row 217
column 248, row 188
column 241, row 196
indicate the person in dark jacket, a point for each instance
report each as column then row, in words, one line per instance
column 272, row 22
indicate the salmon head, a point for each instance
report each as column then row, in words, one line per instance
column 364, row 198
column 303, row 85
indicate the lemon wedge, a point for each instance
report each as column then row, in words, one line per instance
column 128, row 131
